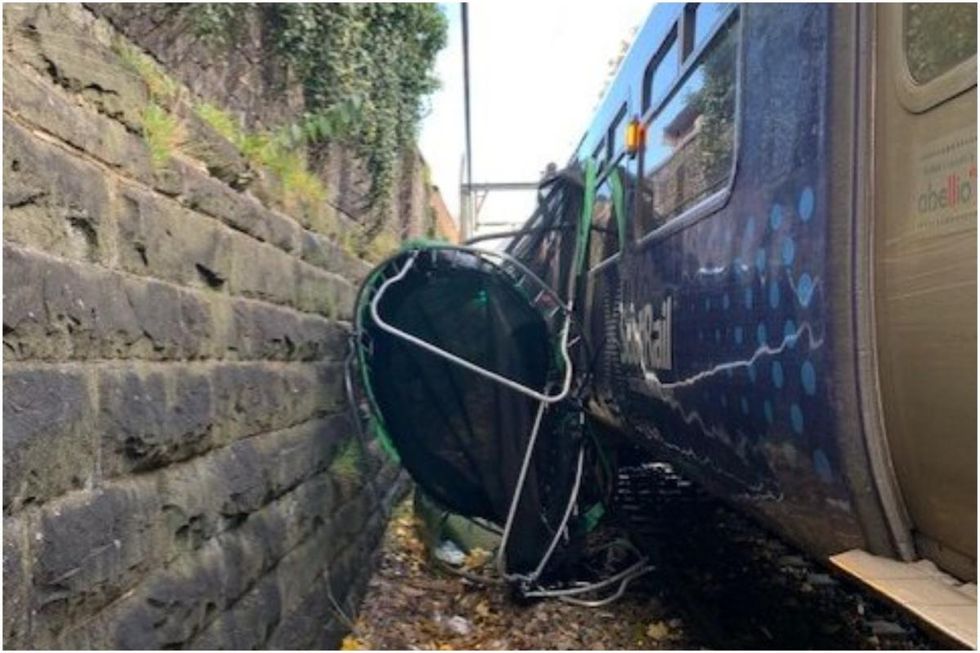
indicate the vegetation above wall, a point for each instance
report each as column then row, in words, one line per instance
column 286, row 154
column 365, row 69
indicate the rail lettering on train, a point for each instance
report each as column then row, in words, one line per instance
column 646, row 338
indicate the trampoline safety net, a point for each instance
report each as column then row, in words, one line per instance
column 464, row 365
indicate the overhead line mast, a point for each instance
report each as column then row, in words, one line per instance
column 466, row 199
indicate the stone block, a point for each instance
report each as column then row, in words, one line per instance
column 303, row 590
column 298, row 629
column 261, row 271
column 309, row 507
column 286, row 591
column 247, row 624
column 92, row 546
column 42, row 103
column 56, row 309
column 16, row 583
column 159, row 238
column 54, row 201
column 239, row 211
column 253, row 398
column 174, row 604
column 344, row 583
column 328, row 254
column 212, row 592
column 323, row 292
column 295, row 454
column 184, row 600
column 200, row 336
column 243, row 483
column 87, row 309
column 350, row 518
column 324, row 340
column 73, row 50
column 48, row 445
column 157, row 307
column 221, row 158
column 24, row 319
column 152, row 418
column 263, row 331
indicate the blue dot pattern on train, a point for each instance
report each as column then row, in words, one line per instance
column 775, row 216
column 796, row 418
column 777, row 374
column 755, row 323
column 789, row 251
column 783, row 348
column 806, row 204
column 789, row 333
column 773, row 294
column 808, row 378
column 804, row 289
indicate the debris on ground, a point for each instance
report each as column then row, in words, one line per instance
column 414, row 602
column 717, row 581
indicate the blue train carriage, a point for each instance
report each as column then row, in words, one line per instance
column 782, row 276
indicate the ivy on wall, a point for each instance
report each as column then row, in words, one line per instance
column 366, row 70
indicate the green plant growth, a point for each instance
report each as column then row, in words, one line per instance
column 365, row 69
column 163, row 133
column 161, row 88
column 279, row 151
column 432, row 226
column 381, row 246
column 220, row 121
column 347, row 463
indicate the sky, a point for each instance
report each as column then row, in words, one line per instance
column 536, row 73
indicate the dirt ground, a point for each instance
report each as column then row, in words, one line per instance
column 412, row 603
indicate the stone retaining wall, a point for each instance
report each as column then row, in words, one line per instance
column 261, row 92
column 180, row 469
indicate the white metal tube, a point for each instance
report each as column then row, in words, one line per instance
column 493, row 376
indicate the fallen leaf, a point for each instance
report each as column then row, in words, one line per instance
column 352, row 643
column 658, row 630
column 476, row 558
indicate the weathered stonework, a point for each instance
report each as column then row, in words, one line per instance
column 258, row 90
column 180, row 468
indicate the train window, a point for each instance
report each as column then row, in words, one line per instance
column 617, row 132
column 938, row 36
column 702, row 19
column 691, row 139
column 661, row 71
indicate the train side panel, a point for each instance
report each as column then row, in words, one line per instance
column 745, row 390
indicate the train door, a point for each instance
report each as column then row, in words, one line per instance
column 925, row 272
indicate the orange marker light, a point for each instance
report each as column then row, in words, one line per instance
column 635, row 136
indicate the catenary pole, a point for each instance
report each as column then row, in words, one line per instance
column 467, row 218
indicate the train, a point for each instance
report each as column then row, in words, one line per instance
column 780, row 284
